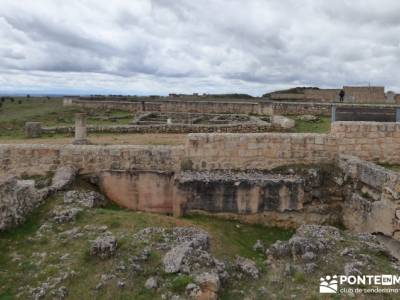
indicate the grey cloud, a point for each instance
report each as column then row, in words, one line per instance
column 183, row 46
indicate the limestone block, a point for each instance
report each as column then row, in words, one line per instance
column 33, row 129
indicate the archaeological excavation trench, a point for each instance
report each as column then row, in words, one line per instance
column 354, row 193
column 269, row 178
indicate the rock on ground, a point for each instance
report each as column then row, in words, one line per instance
column 64, row 215
column 308, row 241
column 151, row 283
column 308, row 118
column 63, row 177
column 18, row 198
column 104, row 246
column 89, row 199
column 209, row 284
column 247, row 266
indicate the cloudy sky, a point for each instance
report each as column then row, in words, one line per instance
column 185, row 46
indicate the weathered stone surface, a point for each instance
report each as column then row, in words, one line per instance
column 174, row 258
column 247, row 266
column 282, row 122
column 209, row 286
column 371, row 201
column 89, row 199
column 308, row 118
column 33, row 129
column 65, row 214
column 151, row 283
column 104, row 246
column 63, row 177
column 17, row 199
column 308, row 241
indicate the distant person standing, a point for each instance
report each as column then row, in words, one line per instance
column 341, row 94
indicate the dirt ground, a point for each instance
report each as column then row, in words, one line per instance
column 107, row 139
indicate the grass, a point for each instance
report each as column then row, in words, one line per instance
column 240, row 237
column 392, row 167
column 180, row 282
column 323, row 125
column 21, row 249
column 24, row 244
column 50, row 112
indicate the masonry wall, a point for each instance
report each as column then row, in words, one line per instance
column 322, row 95
column 40, row 159
column 171, row 128
column 353, row 94
column 373, row 94
column 372, row 141
column 371, row 197
column 258, row 150
column 177, row 106
column 292, row 108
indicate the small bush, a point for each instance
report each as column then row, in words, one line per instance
column 299, row 277
column 179, row 283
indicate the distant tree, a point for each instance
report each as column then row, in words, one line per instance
column 1, row 104
column 28, row 96
column 19, row 101
column 2, row 99
column 12, row 99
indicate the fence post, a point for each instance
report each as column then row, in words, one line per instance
column 333, row 113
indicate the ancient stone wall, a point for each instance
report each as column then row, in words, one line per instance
column 372, row 195
column 176, row 106
column 371, row 141
column 169, row 128
column 353, row 94
column 364, row 94
column 261, row 108
column 322, row 95
column 368, row 140
column 40, row 159
column 258, row 150
column 292, row 108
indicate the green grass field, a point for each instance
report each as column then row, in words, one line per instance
column 323, row 125
column 50, row 112
column 28, row 258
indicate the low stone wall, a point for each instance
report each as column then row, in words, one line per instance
column 301, row 108
column 368, row 140
column 169, row 128
column 269, row 108
column 371, row 141
column 176, row 106
column 40, row 159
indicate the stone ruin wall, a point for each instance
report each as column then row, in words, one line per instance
column 370, row 141
column 30, row 159
column 176, row 106
column 262, row 108
column 353, row 94
column 369, row 195
column 373, row 94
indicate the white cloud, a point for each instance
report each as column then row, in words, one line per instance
column 161, row 46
